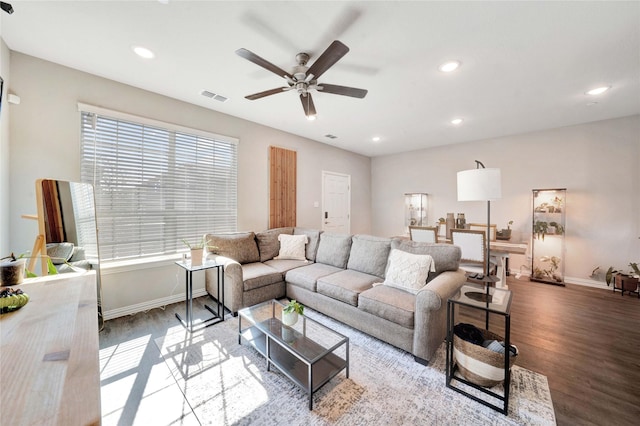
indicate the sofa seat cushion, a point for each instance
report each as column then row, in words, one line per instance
column 390, row 303
column 284, row 265
column 256, row 275
column 346, row 285
column 307, row 276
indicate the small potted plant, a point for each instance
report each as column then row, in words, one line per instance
column 621, row 281
column 290, row 312
column 12, row 270
column 197, row 250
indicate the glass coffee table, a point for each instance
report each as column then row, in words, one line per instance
column 307, row 352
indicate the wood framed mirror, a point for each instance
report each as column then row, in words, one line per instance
column 68, row 231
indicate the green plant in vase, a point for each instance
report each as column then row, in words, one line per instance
column 291, row 311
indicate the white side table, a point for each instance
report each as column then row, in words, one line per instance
column 218, row 314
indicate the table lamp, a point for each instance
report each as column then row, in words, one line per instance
column 481, row 184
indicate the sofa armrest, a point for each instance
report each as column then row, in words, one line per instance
column 430, row 323
column 233, row 282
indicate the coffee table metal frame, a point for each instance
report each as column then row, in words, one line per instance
column 218, row 314
column 307, row 363
column 499, row 303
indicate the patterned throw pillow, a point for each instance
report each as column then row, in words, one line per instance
column 59, row 252
column 408, row 271
column 292, row 247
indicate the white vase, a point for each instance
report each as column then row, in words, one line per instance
column 289, row 318
column 196, row 256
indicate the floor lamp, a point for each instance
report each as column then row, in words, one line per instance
column 481, row 184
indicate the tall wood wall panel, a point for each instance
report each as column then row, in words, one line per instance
column 282, row 187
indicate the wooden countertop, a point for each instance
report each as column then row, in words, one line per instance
column 50, row 371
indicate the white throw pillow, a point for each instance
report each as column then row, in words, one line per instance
column 408, row 271
column 292, row 247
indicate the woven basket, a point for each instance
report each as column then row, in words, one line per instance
column 479, row 365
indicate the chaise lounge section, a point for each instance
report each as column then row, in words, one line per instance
column 393, row 289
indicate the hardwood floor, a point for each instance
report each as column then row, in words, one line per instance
column 585, row 340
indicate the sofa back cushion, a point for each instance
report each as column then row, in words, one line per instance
column 334, row 249
column 268, row 244
column 369, row 254
column 446, row 257
column 240, row 246
column 312, row 243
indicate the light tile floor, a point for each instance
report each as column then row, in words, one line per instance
column 136, row 385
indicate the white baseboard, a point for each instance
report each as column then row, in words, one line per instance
column 151, row 304
column 587, row 282
column 569, row 280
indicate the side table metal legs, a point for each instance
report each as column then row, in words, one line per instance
column 218, row 314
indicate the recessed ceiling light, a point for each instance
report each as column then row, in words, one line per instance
column 143, row 52
column 457, row 121
column 449, row 66
column 598, row 90
column 376, row 138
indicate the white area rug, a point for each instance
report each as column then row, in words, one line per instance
column 227, row 384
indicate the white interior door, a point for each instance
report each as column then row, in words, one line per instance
column 336, row 202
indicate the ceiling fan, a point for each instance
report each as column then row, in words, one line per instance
column 303, row 79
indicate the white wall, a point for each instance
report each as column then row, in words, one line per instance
column 4, row 151
column 598, row 163
column 45, row 131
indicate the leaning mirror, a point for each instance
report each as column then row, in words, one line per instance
column 68, row 229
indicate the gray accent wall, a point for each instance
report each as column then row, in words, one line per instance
column 598, row 163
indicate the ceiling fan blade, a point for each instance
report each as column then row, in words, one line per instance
column 329, row 57
column 342, row 90
column 307, row 104
column 266, row 93
column 250, row 56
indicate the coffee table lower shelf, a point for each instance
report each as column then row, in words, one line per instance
column 308, row 376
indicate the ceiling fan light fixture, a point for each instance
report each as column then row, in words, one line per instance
column 598, row 90
column 449, row 66
column 143, row 52
column 311, row 117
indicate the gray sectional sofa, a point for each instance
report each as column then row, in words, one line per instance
column 353, row 279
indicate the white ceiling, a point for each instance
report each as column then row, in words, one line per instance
column 525, row 65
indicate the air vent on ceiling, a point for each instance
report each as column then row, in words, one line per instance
column 330, row 136
column 215, row 96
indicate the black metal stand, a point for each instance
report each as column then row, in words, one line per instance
column 218, row 314
column 451, row 368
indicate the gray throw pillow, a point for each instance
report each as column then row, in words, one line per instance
column 268, row 244
column 60, row 252
column 240, row 247
column 334, row 249
column 369, row 254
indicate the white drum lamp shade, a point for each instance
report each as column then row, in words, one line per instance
column 479, row 185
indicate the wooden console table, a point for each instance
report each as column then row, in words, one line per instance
column 49, row 350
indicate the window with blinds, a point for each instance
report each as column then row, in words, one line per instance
column 156, row 184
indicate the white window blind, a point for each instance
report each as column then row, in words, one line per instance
column 156, row 184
